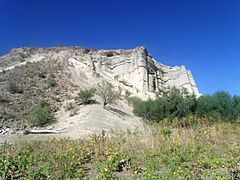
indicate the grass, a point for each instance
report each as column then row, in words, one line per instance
column 205, row 151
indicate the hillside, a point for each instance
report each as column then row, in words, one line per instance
column 56, row 75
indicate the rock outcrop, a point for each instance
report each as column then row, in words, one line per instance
column 138, row 71
column 134, row 70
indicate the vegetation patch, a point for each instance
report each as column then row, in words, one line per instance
column 40, row 115
column 85, row 96
column 3, row 99
column 13, row 88
column 163, row 152
column 107, row 93
column 180, row 104
column 8, row 115
column 51, row 82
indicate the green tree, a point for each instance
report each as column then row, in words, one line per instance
column 224, row 105
column 219, row 106
column 206, row 105
column 179, row 103
column 236, row 107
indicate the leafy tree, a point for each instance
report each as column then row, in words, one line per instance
column 206, row 106
column 236, row 107
column 224, row 105
column 219, row 106
column 179, row 103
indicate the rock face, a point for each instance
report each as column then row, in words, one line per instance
column 138, row 71
column 134, row 70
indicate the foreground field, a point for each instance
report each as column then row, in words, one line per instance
column 200, row 151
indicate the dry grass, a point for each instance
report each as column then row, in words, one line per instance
column 205, row 151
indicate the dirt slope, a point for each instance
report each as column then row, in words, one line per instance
column 34, row 73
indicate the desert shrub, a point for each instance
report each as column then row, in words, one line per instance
column 133, row 99
column 9, row 114
column 221, row 105
column 51, row 82
column 40, row 115
column 85, row 96
column 107, row 93
column 3, row 99
column 180, row 104
column 147, row 109
column 142, row 109
column 166, row 132
column 175, row 103
column 107, row 168
column 13, row 88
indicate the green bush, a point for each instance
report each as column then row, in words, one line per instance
column 13, row 88
column 179, row 104
column 133, row 99
column 51, row 82
column 85, row 96
column 8, row 115
column 40, row 115
column 221, row 106
column 3, row 99
column 175, row 103
column 236, row 107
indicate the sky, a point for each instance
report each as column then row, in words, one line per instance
column 203, row 35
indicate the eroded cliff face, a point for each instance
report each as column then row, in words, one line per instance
column 138, row 72
column 133, row 71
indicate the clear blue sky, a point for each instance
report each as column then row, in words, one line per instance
column 204, row 35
